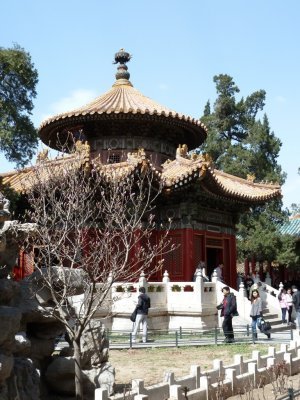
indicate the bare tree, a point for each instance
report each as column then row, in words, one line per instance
column 95, row 225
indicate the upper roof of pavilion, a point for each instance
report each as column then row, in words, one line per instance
column 122, row 103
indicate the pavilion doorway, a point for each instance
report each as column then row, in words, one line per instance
column 214, row 256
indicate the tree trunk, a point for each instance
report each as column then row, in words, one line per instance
column 78, row 373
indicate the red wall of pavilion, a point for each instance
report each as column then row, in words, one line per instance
column 192, row 247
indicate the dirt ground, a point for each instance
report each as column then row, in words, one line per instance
column 151, row 364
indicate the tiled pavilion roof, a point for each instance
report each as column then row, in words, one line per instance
column 292, row 227
column 175, row 175
column 122, row 103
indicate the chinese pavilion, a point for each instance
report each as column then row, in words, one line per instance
column 123, row 127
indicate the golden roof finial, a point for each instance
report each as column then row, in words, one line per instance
column 250, row 178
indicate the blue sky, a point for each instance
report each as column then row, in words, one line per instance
column 177, row 48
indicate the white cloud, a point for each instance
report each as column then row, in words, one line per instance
column 76, row 99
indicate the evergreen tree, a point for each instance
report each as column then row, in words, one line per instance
column 295, row 208
column 241, row 144
column 18, row 80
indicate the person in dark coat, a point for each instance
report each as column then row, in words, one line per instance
column 228, row 310
column 142, row 307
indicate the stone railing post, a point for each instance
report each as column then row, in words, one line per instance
column 214, row 277
column 205, row 384
column 101, row 394
column 257, row 357
column 143, row 281
column 242, row 290
column 166, row 278
column 169, row 378
column 199, row 287
column 287, row 357
column 268, row 279
column 218, row 365
column 239, row 360
column 137, row 386
column 196, row 372
column 230, row 373
column 252, row 369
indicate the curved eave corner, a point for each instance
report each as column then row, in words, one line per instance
column 240, row 189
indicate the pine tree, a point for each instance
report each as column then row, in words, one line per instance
column 18, row 80
column 241, row 144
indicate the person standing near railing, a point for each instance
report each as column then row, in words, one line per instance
column 289, row 302
column 296, row 302
column 219, row 272
column 228, row 311
column 256, row 313
column 283, row 304
column 142, row 307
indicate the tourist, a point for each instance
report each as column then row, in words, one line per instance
column 142, row 307
column 283, row 304
column 255, row 286
column 200, row 268
column 289, row 302
column 248, row 282
column 228, row 310
column 256, row 313
column 296, row 302
column 219, row 272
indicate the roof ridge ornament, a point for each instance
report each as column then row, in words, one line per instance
column 122, row 74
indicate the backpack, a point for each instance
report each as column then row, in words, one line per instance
column 235, row 311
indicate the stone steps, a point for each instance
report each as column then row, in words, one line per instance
column 275, row 321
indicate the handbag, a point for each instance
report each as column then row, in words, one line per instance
column 264, row 326
column 133, row 315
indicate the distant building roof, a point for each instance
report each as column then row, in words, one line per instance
column 292, row 227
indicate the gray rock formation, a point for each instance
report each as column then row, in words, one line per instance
column 97, row 371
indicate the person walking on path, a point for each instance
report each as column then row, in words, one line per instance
column 228, row 310
column 283, row 304
column 256, row 313
column 289, row 302
column 296, row 302
column 142, row 307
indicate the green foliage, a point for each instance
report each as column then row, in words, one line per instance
column 238, row 142
column 295, row 208
column 18, row 201
column 241, row 144
column 18, row 80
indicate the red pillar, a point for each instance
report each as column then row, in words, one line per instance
column 246, row 266
column 188, row 254
column 233, row 272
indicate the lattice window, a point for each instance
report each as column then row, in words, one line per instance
column 173, row 260
column 114, row 158
column 198, row 249
column 212, row 242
